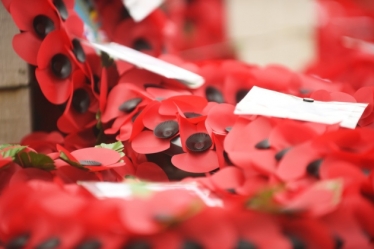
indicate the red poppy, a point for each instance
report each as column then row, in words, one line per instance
column 37, row 19
column 160, row 119
column 148, row 214
column 36, row 223
column 125, row 102
column 346, row 227
column 247, row 145
column 43, row 142
column 211, row 228
column 366, row 95
column 254, row 228
column 93, row 159
column 305, row 232
column 146, row 36
column 198, row 146
column 58, row 60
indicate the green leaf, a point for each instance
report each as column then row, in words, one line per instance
column 35, row 160
column 70, row 162
column 117, row 146
column 264, row 200
column 10, row 150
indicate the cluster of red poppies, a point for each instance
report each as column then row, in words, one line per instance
column 282, row 183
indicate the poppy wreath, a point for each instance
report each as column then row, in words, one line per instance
column 259, row 182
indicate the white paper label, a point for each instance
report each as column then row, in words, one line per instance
column 152, row 64
column 140, row 9
column 265, row 102
column 123, row 190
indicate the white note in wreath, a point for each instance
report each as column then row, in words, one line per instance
column 140, row 9
column 152, row 64
column 260, row 101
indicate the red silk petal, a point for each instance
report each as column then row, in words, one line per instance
column 290, row 133
column 152, row 118
column 24, row 12
column 105, row 156
column 293, row 164
column 221, row 117
column 228, row 178
column 187, row 103
column 147, row 143
column 196, row 162
column 28, row 53
column 151, row 172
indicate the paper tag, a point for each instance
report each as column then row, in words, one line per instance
column 150, row 63
column 140, row 9
column 265, row 102
column 104, row 190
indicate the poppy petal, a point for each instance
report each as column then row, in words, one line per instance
column 147, row 143
column 196, row 162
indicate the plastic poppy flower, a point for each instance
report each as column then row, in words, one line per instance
column 346, row 225
column 125, row 102
column 366, row 95
column 81, row 108
column 254, row 228
column 55, row 227
column 247, row 145
column 58, row 59
column 212, row 219
column 43, row 142
column 274, row 77
column 348, row 145
column 157, row 210
column 93, row 159
column 216, row 74
column 111, row 15
column 37, row 19
column 197, row 144
column 160, row 119
column 146, row 36
column 306, row 232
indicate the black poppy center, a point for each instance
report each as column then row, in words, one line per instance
column 139, row 244
column 263, row 145
column 78, row 50
column 166, row 129
column 90, row 163
column 43, row 25
column 141, row 44
column 212, row 94
column 281, row 154
column 81, row 100
column 191, row 114
column 49, row 244
column 199, row 142
column 296, row 242
column 18, row 242
column 61, row 66
column 241, row 94
column 314, row 167
column 190, row 244
column 89, row 244
column 244, row 244
column 130, row 105
column 61, row 7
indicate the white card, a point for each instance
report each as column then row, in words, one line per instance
column 265, row 102
column 123, row 190
column 152, row 64
column 140, row 9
